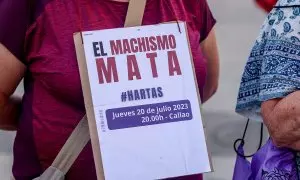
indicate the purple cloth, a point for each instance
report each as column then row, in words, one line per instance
column 269, row 163
column 242, row 166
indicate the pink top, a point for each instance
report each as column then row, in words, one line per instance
column 53, row 101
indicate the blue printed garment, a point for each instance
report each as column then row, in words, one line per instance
column 272, row 71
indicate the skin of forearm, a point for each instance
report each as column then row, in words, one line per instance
column 282, row 117
column 210, row 89
column 12, row 70
column 210, row 52
column 282, row 107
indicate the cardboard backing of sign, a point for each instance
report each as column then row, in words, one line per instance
column 88, row 104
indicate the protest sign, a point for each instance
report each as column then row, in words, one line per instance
column 142, row 102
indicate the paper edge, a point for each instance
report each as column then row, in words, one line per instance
column 199, row 101
column 80, row 54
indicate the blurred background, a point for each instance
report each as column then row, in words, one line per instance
column 238, row 25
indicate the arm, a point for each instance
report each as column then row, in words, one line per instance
column 11, row 73
column 282, row 118
column 210, row 51
column 16, row 17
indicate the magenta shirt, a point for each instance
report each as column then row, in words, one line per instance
column 53, row 101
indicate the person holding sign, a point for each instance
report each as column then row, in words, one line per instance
column 37, row 45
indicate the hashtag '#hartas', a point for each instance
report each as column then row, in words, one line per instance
column 123, row 96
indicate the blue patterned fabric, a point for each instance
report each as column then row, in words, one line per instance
column 273, row 67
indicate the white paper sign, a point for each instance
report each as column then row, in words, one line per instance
column 146, row 102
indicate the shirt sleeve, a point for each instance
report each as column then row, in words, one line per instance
column 273, row 67
column 14, row 18
column 206, row 19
